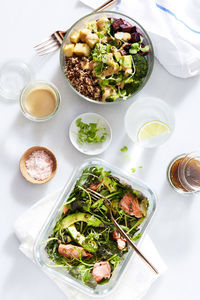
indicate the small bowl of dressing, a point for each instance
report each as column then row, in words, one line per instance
column 39, row 101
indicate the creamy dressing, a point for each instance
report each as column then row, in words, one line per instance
column 40, row 102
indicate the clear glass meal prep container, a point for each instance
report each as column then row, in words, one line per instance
column 40, row 254
column 109, row 14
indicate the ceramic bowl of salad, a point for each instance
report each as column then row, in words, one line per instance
column 106, row 57
column 78, row 243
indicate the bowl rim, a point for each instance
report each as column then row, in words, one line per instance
column 146, row 78
column 105, row 122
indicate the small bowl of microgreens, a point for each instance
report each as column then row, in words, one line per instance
column 90, row 133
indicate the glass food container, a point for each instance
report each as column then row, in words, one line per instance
column 109, row 14
column 40, row 254
column 184, row 173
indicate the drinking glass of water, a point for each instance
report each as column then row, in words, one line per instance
column 149, row 122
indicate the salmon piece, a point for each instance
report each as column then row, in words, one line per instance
column 101, row 270
column 71, row 251
column 130, row 204
column 121, row 242
column 65, row 210
column 95, row 186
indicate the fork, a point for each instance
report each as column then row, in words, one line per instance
column 54, row 41
column 96, row 196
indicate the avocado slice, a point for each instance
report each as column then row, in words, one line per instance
column 76, row 235
column 89, row 245
column 80, row 217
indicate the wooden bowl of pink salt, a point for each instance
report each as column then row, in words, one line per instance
column 38, row 165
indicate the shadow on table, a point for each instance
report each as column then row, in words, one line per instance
column 137, row 158
column 38, row 62
column 171, row 217
column 171, row 89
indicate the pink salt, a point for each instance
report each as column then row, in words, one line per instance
column 39, row 165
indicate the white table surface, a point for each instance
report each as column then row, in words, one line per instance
column 176, row 226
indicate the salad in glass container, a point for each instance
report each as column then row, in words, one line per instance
column 84, row 240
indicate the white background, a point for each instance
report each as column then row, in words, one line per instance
column 176, row 227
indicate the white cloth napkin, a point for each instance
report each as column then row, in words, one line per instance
column 134, row 283
column 174, row 28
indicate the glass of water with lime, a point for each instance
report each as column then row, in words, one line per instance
column 149, row 122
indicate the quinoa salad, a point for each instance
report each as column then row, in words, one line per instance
column 106, row 59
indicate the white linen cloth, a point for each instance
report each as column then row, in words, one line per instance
column 174, row 28
column 133, row 284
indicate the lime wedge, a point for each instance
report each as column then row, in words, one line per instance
column 151, row 130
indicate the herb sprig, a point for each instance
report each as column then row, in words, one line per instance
column 90, row 133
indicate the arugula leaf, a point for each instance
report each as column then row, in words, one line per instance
column 115, row 260
column 137, row 237
column 85, row 273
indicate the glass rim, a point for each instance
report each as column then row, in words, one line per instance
column 169, row 177
column 145, row 100
column 26, row 77
column 182, row 172
column 145, row 79
column 32, row 84
column 188, row 188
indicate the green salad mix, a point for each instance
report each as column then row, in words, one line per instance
column 84, row 239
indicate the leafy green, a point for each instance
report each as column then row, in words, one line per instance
column 82, row 272
column 137, row 237
column 99, row 68
column 145, row 49
column 133, row 170
column 135, row 47
column 85, row 273
column 92, row 222
column 90, row 133
column 106, row 58
column 99, row 51
column 124, row 149
column 115, row 260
